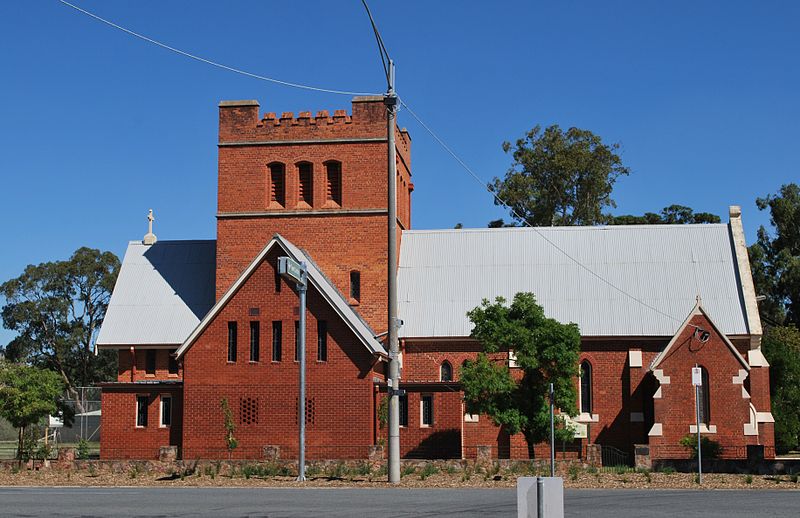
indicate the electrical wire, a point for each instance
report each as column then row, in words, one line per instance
column 541, row 234
column 210, row 62
column 433, row 134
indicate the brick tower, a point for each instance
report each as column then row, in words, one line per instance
column 320, row 181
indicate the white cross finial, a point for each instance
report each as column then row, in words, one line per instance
column 150, row 238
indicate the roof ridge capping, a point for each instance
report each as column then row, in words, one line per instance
column 317, row 278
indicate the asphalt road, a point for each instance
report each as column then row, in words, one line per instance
column 383, row 503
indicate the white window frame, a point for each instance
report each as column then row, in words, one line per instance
column 161, row 411
column 136, row 411
column 422, row 423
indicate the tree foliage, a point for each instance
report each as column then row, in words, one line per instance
column 560, row 177
column 781, row 347
column 546, row 351
column 775, row 257
column 672, row 215
column 57, row 308
column 27, row 395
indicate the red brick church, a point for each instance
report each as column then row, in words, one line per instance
column 198, row 322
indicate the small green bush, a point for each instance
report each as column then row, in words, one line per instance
column 427, row 471
column 574, row 470
column 407, row 470
column 83, row 449
column 748, row 479
column 710, row 448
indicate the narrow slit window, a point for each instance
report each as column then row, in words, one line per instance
column 322, row 341
column 277, row 340
column 333, row 174
column 305, row 172
column 586, row 387
column 150, row 361
column 166, row 411
column 255, row 341
column 355, row 285
column 704, row 399
column 426, row 410
column 277, row 184
column 173, row 362
column 232, row 339
column 141, row 411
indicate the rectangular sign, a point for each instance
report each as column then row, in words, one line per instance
column 697, row 376
column 291, row 269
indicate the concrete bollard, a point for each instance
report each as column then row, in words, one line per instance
column 540, row 497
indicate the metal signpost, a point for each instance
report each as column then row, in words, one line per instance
column 697, row 381
column 297, row 273
column 552, row 434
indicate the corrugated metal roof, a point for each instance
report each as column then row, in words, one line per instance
column 316, row 278
column 445, row 273
column 162, row 292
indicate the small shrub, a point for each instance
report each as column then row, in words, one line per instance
column 667, row 470
column 466, row 475
column 710, row 448
column 592, row 470
column 407, row 470
column 82, row 451
column 362, row 469
column 696, row 479
column 573, row 472
column 313, row 470
column 647, row 476
column 134, row 472
column 427, row 471
column 793, row 477
column 338, row 470
column 748, row 479
column 451, row 470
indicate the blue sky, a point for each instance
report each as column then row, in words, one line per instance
column 97, row 126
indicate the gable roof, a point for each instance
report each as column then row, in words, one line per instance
column 445, row 273
column 316, row 279
column 162, row 292
column 697, row 310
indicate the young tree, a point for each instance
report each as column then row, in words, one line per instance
column 781, row 347
column 231, row 442
column 775, row 260
column 560, row 177
column 545, row 350
column 57, row 308
column 672, row 215
column 27, row 394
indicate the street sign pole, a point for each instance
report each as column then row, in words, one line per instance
column 552, row 434
column 297, row 273
column 697, row 381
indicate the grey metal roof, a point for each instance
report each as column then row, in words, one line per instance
column 316, row 278
column 445, row 273
column 162, row 292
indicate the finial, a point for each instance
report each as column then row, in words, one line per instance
column 698, row 299
column 150, row 238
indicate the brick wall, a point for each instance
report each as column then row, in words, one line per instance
column 354, row 236
column 126, row 372
column 675, row 409
column 121, row 438
column 341, row 388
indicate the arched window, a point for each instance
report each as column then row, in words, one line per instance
column 277, row 184
column 704, row 399
column 333, row 176
column 305, row 185
column 586, row 387
column 446, row 372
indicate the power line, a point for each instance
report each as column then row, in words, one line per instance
column 384, row 55
column 525, row 221
column 210, row 62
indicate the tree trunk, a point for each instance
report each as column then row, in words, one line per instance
column 19, row 446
